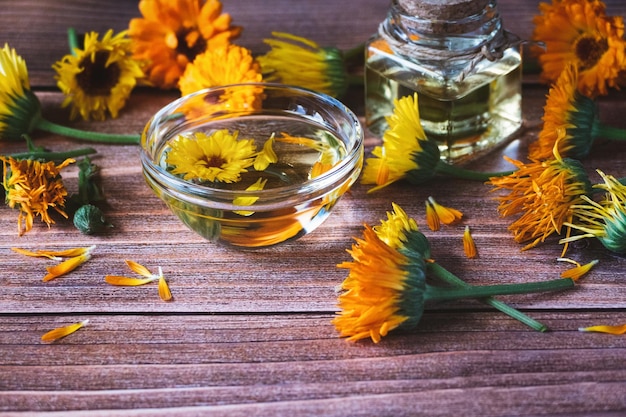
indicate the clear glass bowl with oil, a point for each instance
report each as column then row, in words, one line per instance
column 311, row 145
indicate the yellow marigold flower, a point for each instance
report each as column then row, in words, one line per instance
column 219, row 156
column 299, row 61
column 543, row 194
column 604, row 220
column 19, row 106
column 171, row 33
column 579, row 270
column 616, row 330
column 69, row 265
column 34, row 187
column 579, row 31
column 61, row 332
column 228, row 64
column 98, row 79
column 396, row 230
column 406, row 152
column 570, row 121
column 469, row 247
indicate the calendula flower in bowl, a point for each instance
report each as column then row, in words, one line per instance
column 252, row 176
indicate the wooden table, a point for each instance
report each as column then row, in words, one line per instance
column 249, row 333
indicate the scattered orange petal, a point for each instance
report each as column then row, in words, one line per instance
column 139, row 269
column 432, row 219
column 128, row 281
column 447, row 215
column 52, row 254
column 617, row 330
column 164, row 289
column 468, row 244
column 578, row 271
column 66, row 266
column 60, row 332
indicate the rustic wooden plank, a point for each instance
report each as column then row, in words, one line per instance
column 125, row 361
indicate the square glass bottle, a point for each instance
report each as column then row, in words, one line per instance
column 464, row 66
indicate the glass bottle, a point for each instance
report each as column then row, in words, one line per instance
column 464, row 66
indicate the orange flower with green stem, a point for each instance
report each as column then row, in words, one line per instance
column 604, row 220
column 580, row 31
column 542, row 195
column 172, row 33
column 299, row 61
column 571, row 120
column 34, row 188
column 407, row 154
column 20, row 109
column 386, row 285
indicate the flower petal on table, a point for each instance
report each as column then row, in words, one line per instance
column 66, row 266
column 128, row 281
column 60, row 332
column 617, row 330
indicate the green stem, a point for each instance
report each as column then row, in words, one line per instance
column 447, row 294
column 72, row 40
column 357, row 80
column 44, row 124
column 458, row 172
column 357, row 52
column 452, row 279
column 608, row 132
column 53, row 156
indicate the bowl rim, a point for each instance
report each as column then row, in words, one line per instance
column 311, row 188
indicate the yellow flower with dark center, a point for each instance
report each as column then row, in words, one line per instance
column 570, row 120
column 19, row 106
column 228, row 64
column 299, row 61
column 604, row 220
column 34, row 188
column 219, row 156
column 581, row 32
column 543, row 194
column 20, row 109
column 172, row 33
column 98, row 79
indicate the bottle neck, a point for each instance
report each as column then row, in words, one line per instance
column 441, row 29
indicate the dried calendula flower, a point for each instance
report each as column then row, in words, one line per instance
column 60, row 332
column 164, row 291
column 616, row 330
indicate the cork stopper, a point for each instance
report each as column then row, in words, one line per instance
column 445, row 17
column 443, row 9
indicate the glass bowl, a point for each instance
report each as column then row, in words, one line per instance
column 252, row 165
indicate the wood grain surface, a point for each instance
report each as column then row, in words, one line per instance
column 249, row 333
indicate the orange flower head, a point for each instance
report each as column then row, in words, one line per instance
column 581, row 32
column 543, row 194
column 172, row 33
column 34, row 187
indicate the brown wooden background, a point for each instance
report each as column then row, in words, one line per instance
column 249, row 332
